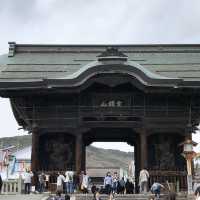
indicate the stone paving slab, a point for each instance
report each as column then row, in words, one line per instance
column 24, row 197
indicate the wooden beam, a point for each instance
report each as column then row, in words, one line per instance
column 35, row 151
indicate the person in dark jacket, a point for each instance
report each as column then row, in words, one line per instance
column 122, row 186
column 93, row 190
column 129, row 187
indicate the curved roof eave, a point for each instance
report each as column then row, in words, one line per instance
column 128, row 63
column 143, row 75
column 133, row 69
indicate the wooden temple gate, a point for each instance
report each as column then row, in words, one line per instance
column 109, row 99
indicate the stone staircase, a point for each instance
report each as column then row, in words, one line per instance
column 130, row 197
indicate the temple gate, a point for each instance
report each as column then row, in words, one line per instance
column 69, row 96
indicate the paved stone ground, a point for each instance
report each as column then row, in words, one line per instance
column 82, row 197
column 24, row 197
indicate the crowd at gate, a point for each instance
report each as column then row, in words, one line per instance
column 69, row 183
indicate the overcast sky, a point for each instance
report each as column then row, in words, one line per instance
column 94, row 22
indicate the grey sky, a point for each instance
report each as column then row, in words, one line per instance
column 99, row 21
column 94, row 21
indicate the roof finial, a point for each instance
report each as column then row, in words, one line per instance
column 112, row 53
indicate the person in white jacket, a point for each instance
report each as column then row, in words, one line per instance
column 143, row 180
column 60, row 180
column 27, row 181
column 85, row 183
column 69, row 182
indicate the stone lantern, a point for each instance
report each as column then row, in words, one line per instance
column 189, row 154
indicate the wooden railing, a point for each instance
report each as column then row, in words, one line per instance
column 13, row 186
column 177, row 179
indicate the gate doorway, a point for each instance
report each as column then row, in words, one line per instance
column 103, row 157
column 109, row 159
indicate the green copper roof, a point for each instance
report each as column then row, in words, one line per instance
column 32, row 63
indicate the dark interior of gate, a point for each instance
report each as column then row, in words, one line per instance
column 71, row 96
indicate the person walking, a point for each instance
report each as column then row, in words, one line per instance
column 129, row 187
column 80, row 180
column 85, row 183
column 143, row 180
column 27, row 181
column 93, row 190
column 41, row 179
column 108, row 183
column 156, row 188
column 115, row 182
column 59, row 183
column 122, row 185
column 69, row 182
column 47, row 176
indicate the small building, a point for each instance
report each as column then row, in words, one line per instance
column 18, row 162
column 22, row 161
column 5, row 159
column 97, row 174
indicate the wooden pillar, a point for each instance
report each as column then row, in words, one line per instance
column 35, row 151
column 137, row 164
column 83, row 163
column 143, row 149
column 35, row 155
column 79, row 152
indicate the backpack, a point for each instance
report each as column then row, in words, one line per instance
column 70, row 177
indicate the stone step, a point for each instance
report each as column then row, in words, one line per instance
column 128, row 197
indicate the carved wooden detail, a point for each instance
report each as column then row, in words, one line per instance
column 58, row 151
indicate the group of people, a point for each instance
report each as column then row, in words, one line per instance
column 155, row 188
column 41, row 183
column 65, row 182
column 113, row 184
column 68, row 182
column 116, row 185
